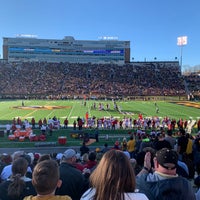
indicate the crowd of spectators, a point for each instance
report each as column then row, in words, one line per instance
column 159, row 159
column 144, row 151
column 193, row 83
column 67, row 80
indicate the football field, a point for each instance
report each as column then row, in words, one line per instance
column 40, row 109
column 72, row 109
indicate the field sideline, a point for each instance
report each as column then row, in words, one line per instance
column 71, row 109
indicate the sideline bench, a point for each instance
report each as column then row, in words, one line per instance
column 45, row 144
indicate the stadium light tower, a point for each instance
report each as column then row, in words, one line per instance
column 181, row 41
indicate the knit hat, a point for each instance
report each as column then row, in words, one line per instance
column 167, row 158
column 69, row 153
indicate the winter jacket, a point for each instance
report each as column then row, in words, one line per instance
column 177, row 188
column 74, row 183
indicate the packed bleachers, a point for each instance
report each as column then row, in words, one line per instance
column 66, row 80
column 193, row 84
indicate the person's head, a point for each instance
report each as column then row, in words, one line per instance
column 169, row 132
column 19, row 169
column 166, row 161
column 182, row 131
column 46, row 177
column 6, row 159
column 97, row 150
column 44, row 157
column 113, row 176
column 19, row 166
column 99, row 156
column 85, row 157
column 17, row 154
column 160, row 136
column 116, row 143
column 31, row 156
column 83, row 144
column 27, row 157
column 69, row 156
column 92, row 156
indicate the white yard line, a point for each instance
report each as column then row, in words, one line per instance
column 71, row 111
column 49, row 114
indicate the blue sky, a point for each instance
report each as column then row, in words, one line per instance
column 152, row 26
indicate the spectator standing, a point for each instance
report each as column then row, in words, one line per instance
column 131, row 146
column 182, row 143
column 124, row 144
column 84, row 149
column 105, row 149
column 97, row 135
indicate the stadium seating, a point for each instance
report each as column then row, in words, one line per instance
column 43, row 80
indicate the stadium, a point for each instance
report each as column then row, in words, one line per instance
column 81, row 94
column 99, row 100
column 47, row 78
column 99, row 69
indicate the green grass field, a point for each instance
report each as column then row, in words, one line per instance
column 72, row 109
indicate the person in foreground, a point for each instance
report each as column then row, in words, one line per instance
column 163, row 183
column 74, row 183
column 113, row 178
column 46, row 180
column 17, row 186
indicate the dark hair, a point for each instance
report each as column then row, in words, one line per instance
column 182, row 131
column 113, row 176
column 169, row 132
column 27, row 157
column 19, row 168
column 44, row 157
column 92, row 156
